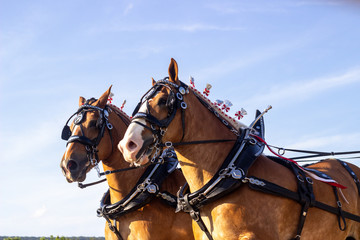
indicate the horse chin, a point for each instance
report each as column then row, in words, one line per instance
column 142, row 161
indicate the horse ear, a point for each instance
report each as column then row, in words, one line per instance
column 173, row 71
column 104, row 98
column 81, row 101
column 153, row 81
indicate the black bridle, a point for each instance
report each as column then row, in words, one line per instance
column 174, row 102
column 90, row 144
column 158, row 127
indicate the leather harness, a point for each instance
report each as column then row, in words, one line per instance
column 233, row 172
column 147, row 187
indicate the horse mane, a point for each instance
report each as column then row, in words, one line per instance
column 120, row 113
column 234, row 123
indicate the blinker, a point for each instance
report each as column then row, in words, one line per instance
column 136, row 109
column 66, row 133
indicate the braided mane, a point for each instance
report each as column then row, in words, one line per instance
column 120, row 113
column 234, row 123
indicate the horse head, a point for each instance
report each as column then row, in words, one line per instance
column 157, row 120
column 88, row 138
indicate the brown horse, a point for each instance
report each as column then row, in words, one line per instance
column 202, row 143
column 155, row 220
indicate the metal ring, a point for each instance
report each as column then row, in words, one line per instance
column 252, row 141
column 179, row 96
column 168, row 144
column 281, row 151
column 183, row 105
column 309, row 180
column 162, row 132
column 300, row 178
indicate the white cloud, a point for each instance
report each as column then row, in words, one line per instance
column 40, row 212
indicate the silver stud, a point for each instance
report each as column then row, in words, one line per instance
column 182, row 90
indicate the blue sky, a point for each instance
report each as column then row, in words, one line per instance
column 302, row 57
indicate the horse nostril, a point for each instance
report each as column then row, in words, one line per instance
column 72, row 165
column 132, row 145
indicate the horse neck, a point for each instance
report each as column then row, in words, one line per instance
column 120, row 184
column 200, row 162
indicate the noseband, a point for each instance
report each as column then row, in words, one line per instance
column 90, row 144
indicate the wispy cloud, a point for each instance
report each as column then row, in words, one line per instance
column 128, row 8
column 321, row 142
column 319, row 3
column 305, row 89
column 242, row 7
column 227, row 66
column 191, row 27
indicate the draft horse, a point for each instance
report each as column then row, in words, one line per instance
column 136, row 200
column 235, row 191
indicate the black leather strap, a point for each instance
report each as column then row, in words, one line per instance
column 352, row 174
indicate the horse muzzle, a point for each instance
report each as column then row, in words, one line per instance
column 75, row 171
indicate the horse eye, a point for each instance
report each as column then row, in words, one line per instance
column 162, row 101
column 92, row 123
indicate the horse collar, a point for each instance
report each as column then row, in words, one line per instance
column 143, row 192
column 229, row 177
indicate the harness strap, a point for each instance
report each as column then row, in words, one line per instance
column 196, row 142
column 81, row 185
column 274, row 189
column 303, row 214
column 342, row 227
column 306, row 196
column 114, row 229
column 352, row 174
column 195, row 215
